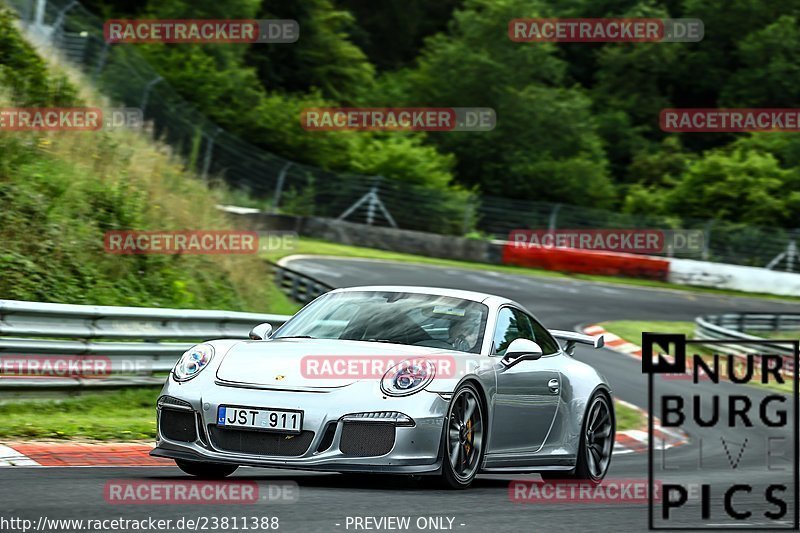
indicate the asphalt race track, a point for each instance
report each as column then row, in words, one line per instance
column 326, row 501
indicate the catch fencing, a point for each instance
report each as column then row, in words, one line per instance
column 267, row 181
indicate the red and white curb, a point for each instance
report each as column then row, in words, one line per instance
column 78, row 454
column 635, row 440
column 614, row 342
column 11, row 457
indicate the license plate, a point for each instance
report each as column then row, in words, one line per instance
column 279, row 420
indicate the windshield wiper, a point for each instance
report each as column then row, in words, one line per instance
column 381, row 340
column 295, row 337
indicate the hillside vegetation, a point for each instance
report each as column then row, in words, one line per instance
column 61, row 191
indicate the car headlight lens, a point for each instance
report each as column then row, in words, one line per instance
column 408, row 377
column 193, row 361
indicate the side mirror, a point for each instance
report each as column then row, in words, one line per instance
column 521, row 350
column 261, row 331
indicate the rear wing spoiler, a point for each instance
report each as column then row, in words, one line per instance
column 573, row 338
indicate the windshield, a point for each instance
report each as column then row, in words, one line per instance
column 396, row 317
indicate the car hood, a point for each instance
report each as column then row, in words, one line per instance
column 315, row 363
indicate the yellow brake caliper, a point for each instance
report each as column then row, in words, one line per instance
column 467, row 446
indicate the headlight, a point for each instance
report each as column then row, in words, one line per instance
column 193, row 361
column 408, row 377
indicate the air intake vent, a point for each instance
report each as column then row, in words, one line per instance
column 367, row 439
column 178, row 425
column 260, row 442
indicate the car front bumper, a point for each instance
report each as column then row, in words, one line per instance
column 415, row 449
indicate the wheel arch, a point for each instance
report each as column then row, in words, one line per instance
column 605, row 390
column 484, row 399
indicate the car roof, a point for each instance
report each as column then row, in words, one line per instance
column 436, row 291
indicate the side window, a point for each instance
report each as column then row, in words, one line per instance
column 543, row 337
column 511, row 324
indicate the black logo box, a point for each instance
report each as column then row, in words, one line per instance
column 678, row 365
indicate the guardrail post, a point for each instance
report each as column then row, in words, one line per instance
column 58, row 34
column 101, row 62
column 38, row 18
column 207, row 155
column 146, row 92
column 551, row 223
column 296, row 288
column 276, row 200
column 705, row 253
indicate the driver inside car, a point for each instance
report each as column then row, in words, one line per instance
column 464, row 333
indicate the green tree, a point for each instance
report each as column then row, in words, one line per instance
column 324, row 57
column 392, row 32
column 770, row 74
column 735, row 184
column 545, row 144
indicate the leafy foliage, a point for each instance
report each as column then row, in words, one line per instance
column 61, row 192
column 577, row 123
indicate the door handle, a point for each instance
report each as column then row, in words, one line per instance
column 553, row 385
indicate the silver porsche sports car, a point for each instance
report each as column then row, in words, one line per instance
column 396, row 380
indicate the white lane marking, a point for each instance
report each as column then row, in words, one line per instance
column 284, row 261
column 547, row 286
column 619, row 449
column 11, row 457
column 609, row 291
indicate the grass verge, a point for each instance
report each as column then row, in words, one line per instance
column 122, row 415
column 628, row 417
column 61, row 192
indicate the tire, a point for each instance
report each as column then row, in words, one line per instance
column 206, row 470
column 596, row 445
column 463, row 438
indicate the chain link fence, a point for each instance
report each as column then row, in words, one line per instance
column 121, row 73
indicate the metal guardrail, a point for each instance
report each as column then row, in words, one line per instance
column 137, row 342
column 733, row 326
column 133, row 343
column 299, row 287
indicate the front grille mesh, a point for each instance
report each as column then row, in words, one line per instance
column 260, row 442
column 367, row 439
column 178, row 425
